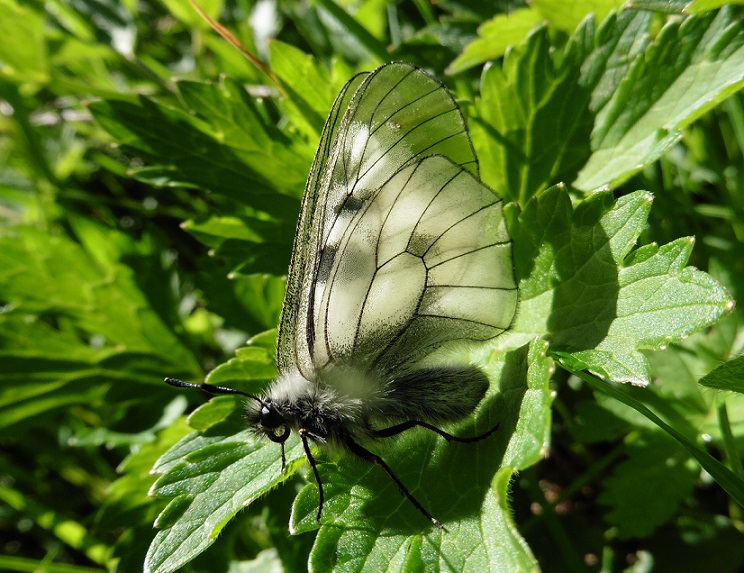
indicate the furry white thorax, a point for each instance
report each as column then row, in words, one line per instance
column 341, row 400
column 290, row 387
column 345, row 386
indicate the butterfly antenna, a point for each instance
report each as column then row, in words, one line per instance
column 209, row 388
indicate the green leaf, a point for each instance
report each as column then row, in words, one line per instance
column 211, row 478
column 186, row 13
column 81, row 326
column 253, row 363
column 634, row 96
column 526, row 136
column 646, row 489
column 696, row 65
column 583, row 287
column 219, row 142
column 728, row 376
column 23, row 51
column 45, row 274
column 310, row 88
column 566, row 16
column 215, row 472
column 494, row 37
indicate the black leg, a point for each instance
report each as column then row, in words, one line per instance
column 304, row 436
column 398, row 428
column 377, row 460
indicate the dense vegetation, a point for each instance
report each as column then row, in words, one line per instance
column 151, row 181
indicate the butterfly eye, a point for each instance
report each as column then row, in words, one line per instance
column 274, row 422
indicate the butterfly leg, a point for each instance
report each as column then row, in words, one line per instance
column 398, row 428
column 284, row 458
column 305, row 436
column 378, row 461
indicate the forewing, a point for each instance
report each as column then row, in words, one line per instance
column 423, row 261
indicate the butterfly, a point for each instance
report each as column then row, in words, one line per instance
column 400, row 252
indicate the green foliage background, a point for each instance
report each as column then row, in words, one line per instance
column 150, row 184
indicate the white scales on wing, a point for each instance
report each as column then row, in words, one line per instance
column 416, row 263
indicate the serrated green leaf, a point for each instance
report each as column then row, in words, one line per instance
column 310, row 89
column 646, row 489
column 517, row 157
column 684, row 72
column 537, row 110
column 212, row 479
column 220, row 142
column 728, row 376
column 581, row 286
column 239, row 124
column 215, row 473
column 367, row 525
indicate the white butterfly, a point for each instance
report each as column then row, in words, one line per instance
column 400, row 251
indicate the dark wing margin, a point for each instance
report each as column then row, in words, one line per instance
column 305, row 252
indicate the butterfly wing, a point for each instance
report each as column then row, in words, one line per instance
column 399, row 247
column 425, row 260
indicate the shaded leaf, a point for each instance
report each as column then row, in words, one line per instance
column 646, row 489
column 582, row 286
